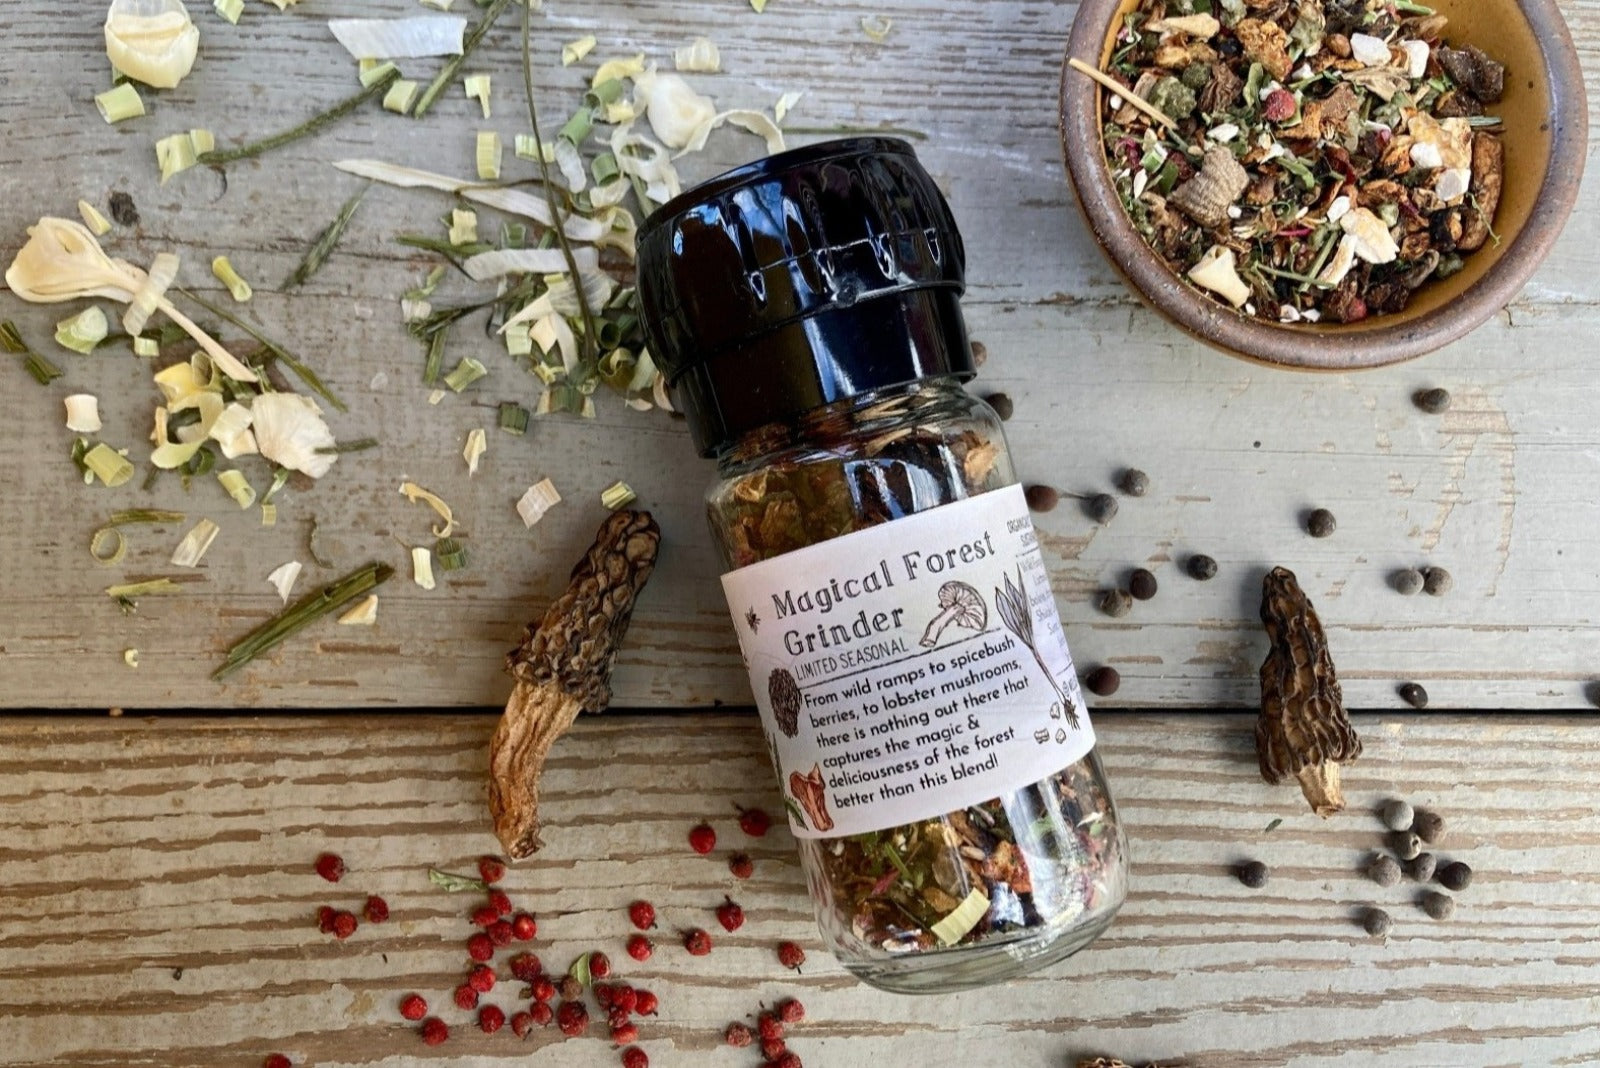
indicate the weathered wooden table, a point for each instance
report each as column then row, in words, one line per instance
column 133, row 848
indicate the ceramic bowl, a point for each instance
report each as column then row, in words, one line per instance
column 1545, row 116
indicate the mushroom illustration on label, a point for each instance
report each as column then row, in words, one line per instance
column 812, row 795
column 1017, row 615
column 959, row 604
column 784, row 693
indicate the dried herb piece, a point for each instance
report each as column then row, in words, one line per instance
column 302, row 614
column 325, row 242
column 316, row 124
column 563, row 667
column 1303, row 730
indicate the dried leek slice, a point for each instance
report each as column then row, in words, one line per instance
column 489, row 265
column 108, row 546
column 238, row 487
column 269, row 514
column 467, row 372
column 163, row 272
column 98, row 224
column 785, row 104
column 698, row 56
column 451, row 554
column 153, row 41
column 618, row 69
column 513, row 418
column 364, row 614
column 283, row 579
column 400, row 96
column 416, row 37
column 119, row 103
column 540, row 498
column 127, row 591
column 194, row 544
column 422, row 567
column 414, row 493
column 146, row 346
column 174, row 155
column 617, row 495
column 477, row 86
column 477, row 445
column 577, row 51
column 463, row 227
column 83, row 413
column 963, row 918
column 131, row 658
column 238, row 288
column 83, row 331
column 489, row 155
column 518, row 343
column 373, row 72
column 229, row 9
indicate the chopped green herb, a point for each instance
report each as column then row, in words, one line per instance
column 301, row 614
column 455, row 883
column 450, row 553
column 275, row 350
column 513, row 418
column 323, row 246
column 43, row 371
column 358, row 445
column 452, row 67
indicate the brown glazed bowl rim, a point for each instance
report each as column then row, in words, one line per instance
column 1378, row 342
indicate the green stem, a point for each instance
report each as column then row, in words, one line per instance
column 313, row 125
column 305, row 374
column 448, row 72
column 302, row 614
column 326, row 241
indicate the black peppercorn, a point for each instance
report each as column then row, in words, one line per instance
column 1042, row 498
column 1142, row 584
column 1002, row 405
column 1116, row 603
column 1321, row 524
column 1377, row 923
column 1436, row 581
column 1439, row 906
column 1414, row 695
column 1252, row 873
column 1429, row 826
column 1102, row 507
column 1134, row 482
column 1422, row 868
column 1408, row 583
column 1433, row 401
column 1456, row 875
column 1103, row 681
column 1201, row 567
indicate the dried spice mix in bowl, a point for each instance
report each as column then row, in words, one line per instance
column 1305, row 161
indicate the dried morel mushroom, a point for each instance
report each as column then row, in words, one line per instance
column 563, row 667
column 1303, row 730
column 784, row 693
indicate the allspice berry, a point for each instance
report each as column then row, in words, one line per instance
column 1134, row 482
column 1422, row 868
column 1407, row 583
column 1429, row 826
column 1103, row 681
column 1042, row 498
column 1321, row 524
column 1398, row 816
column 1142, row 584
column 1439, row 906
column 1201, row 567
column 1456, row 875
column 1116, row 603
column 1414, row 695
column 1102, row 507
column 1384, row 870
column 1377, row 923
column 1252, row 873
column 980, row 354
column 1406, row 845
column 1002, row 405
column 1436, row 581
column 1433, row 401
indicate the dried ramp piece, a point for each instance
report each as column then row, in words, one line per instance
column 563, row 667
column 1303, row 730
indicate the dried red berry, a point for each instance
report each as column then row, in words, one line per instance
column 344, row 925
column 490, row 1019
column 325, row 917
column 738, row 1035
column 500, row 901
column 640, row 947
column 741, row 866
column 625, row 1034
column 479, row 947
column 524, row 927
column 770, row 1026
column 526, row 967
column 413, row 1007
column 791, row 1011
column 791, row 955
column 572, row 1018
column 634, row 1057
column 624, row 997
column 521, row 1024
column 500, row 933
column 616, row 1017
column 491, row 869
column 702, row 839
column 571, row 989
column 730, row 915
column 542, row 1013
column 599, row 965
column 377, row 909
column 788, row 1060
column 645, row 1003
column 697, row 942
column 331, row 867
column 434, row 1031
column 754, row 822
column 1278, row 105
column 484, row 916
column 276, row 1060
column 481, row 979
column 466, row 997
column 602, row 995
column 642, row 914
column 773, row 1048
column 543, row 989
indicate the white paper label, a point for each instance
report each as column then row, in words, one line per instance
column 911, row 669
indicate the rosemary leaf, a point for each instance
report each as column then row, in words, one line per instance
column 447, row 73
column 277, row 351
column 435, row 362
column 302, row 614
column 323, row 246
column 358, row 445
column 311, row 126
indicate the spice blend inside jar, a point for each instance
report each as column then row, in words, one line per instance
column 888, row 591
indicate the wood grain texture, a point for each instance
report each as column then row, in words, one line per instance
column 1499, row 490
column 135, row 847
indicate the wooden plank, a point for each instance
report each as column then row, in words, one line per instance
column 1492, row 490
column 135, row 847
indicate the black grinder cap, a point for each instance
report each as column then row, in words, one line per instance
column 800, row 280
